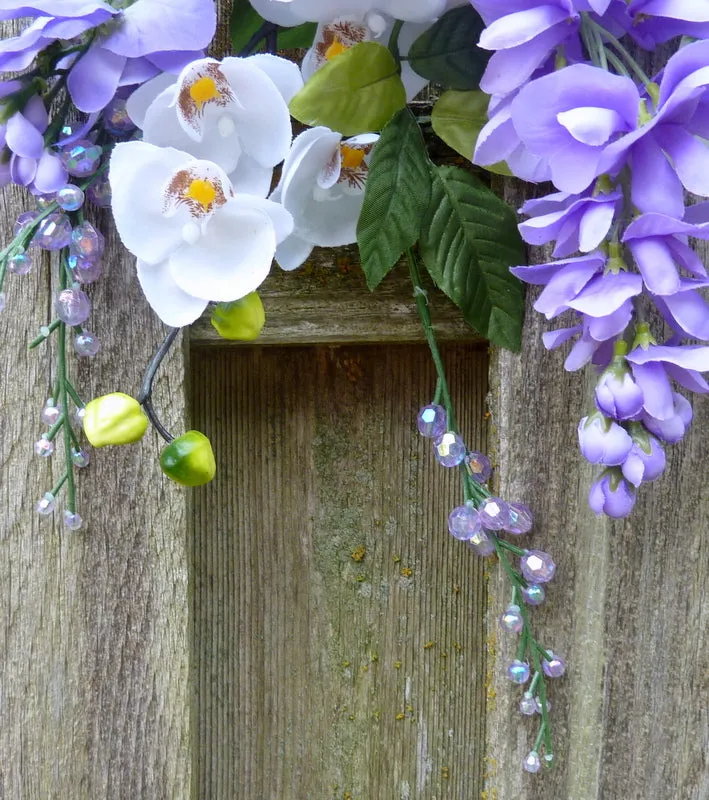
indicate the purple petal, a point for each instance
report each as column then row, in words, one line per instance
column 553, row 339
column 581, row 353
column 68, row 8
column 23, row 138
column 656, row 265
column 51, row 174
column 154, row 26
column 22, row 170
column 656, row 389
column 518, row 28
column 688, row 312
column 690, row 157
column 602, row 441
column 688, row 378
column 595, row 224
column 694, row 357
column 563, row 288
column 606, row 293
column 94, row 79
column 604, row 328
column 543, row 273
column 591, row 125
column 664, row 192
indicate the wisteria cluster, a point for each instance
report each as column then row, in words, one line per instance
column 571, row 105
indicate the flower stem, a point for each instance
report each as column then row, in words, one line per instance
column 393, row 44
column 425, row 316
column 622, row 51
column 64, row 400
column 146, row 390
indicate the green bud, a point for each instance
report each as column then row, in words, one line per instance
column 114, row 418
column 241, row 320
column 189, row 459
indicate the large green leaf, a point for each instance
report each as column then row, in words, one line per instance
column 469, row 239
column 458, row 118
column 447, row 52
column 396, row 197
column 245, row 22
column 358, row 91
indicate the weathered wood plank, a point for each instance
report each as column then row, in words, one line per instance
column 94, row 667
column 628, row 606
column 305, row 657
column 326, row 301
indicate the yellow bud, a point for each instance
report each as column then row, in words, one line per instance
column 241, row 320
column 114, row 419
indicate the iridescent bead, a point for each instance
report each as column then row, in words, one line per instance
column 464, row 522
column 3, row 301
column 73, row 306
column 532, row 763
column 24, row 219
column 538, row 706
column 79, row 415
column 53, row 232
column 449, row 449
column 511, row 619
column 555, row 667
column 537, row 566
column 116, row 119
column 99, row 193
column 520, row 519
column 70, row 197
column 72, row 520
column 44, row 447
column 479, row 466
column 45, row 505
column 81, row 158
column 86, row 344
column 533, row 594
column 85, row 271
column 87, row 242
column 432, row 421
column 518, row 671
column 80, row 458
column 527, row 706
column 481, row 544
column 494, row 514
column 19, row 264
column 44, row 200
column 51, row 412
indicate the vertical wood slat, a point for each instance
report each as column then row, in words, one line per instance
column 94, row 670
column 296, row 644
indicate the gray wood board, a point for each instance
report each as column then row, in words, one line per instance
column 319, row 675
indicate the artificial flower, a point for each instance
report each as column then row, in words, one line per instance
column 603, row 441
column 195, row 238
column 322, row 186
column 26, row 161
column 294, row 12
column 233, row 113
column 612, row 495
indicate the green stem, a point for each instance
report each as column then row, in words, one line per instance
column 425, row 316
column 518, row 551
column 54, row 430
column 394, row 42
column 58, row 486
column 78, row 402
column 620, row 47
column 61, row 358
column 44, row 335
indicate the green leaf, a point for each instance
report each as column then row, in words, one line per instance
column 358, row 91
column 469, row 239
column 458, row 118
column 299, row 36
column 447, row 52
column 396, row 197
column 245, row 22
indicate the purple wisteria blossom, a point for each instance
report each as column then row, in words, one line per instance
column 27, row 162
column 612, row 495
column 617, row 394
column 603, row 441
column 646, row 460
column 132, row 45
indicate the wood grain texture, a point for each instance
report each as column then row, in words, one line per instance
column 94, row 671
column 628, row 606
column 327, row 301
column 318, row 675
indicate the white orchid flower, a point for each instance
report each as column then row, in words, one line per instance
column 339, row 34
column 233, row 113
column 294, row 12
column 195, row 238
column 322, row 186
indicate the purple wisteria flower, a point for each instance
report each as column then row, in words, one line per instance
column 133, row 45
column 575, row 222
column 612, row 495
column 658, row 21
column 646, row 460
column 617, row 394
column 29, row 163
column 603, row 441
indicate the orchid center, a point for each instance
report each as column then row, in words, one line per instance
column 202, row 192
column 335, row 49
column 203, row 91
column 352, row 157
